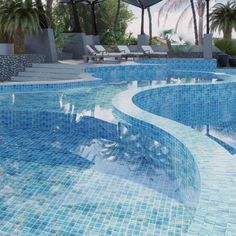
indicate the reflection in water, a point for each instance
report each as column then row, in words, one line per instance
column 77, row 177
column 79, row 100
column 122, row 152
column 209, row 109
column 57, row 164
column 13, row 99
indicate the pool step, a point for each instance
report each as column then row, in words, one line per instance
column 34, row 78
column 29, row 79
column 50, row 72
column 49, row 75
column 55, row 70
column 58, row 66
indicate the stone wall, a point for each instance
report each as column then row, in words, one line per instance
column 11, row 65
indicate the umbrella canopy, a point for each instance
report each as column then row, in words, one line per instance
column 142, row 3
column 70, row 1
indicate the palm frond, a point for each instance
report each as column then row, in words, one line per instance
column 182, row 15
column 19, row 16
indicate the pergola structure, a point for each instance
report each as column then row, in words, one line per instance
column 143, row 4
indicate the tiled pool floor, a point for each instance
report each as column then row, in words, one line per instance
column 82, row 186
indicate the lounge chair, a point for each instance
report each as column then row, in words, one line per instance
column 147, row 49
column 127, row 53
column 99, row 56
column 103, row 51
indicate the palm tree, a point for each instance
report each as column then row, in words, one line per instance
column 49, row 4
column 43, row 18
column 173, row 5
column 150, row 24
column 117, row 15
column 194, row 22
column 223, row 18
column 18, row 18
column 201, row 5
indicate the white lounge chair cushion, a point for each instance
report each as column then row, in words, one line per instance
column 148, row 49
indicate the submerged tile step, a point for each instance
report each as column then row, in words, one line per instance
column 49, row 75
column 35, row 78
column 55, row 70
column 57, row 65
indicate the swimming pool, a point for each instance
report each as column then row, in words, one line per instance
column 72, row 163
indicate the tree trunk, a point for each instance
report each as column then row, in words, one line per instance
column 49, row 12
column 200, row 28
column 94, row 19
column 117, row 15
column 227, row 34
column 200, row 10
column 169, row 46
column 77, row 26
column 194, row 21
column 71, row 22
column 19, row 44
column 42, row 17
column 150, row 24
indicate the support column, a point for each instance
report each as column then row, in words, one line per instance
column 207, row 46
column 94, row 19
column 207, row 17
column 142, row 21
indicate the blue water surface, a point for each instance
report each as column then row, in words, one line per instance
column 65, row 170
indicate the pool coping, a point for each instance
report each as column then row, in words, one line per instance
column 216, row 210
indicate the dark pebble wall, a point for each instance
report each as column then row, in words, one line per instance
column 11, row 65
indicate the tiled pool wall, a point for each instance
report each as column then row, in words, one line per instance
column 48, row 86
column 215, row 214
column 58, row 122
column 184, row 64
column 121, row 72
column 160, row 69
column 179, row 164
column 198, row 104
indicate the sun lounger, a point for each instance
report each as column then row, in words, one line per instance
column 147, row 49
column 103, row 51
column 99, row 56
column 127, row 53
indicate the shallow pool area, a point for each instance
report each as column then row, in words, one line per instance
column 121, row 153
column 85, row 180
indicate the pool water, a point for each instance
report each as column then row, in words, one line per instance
column 211, row 111
column 66, row 184
column 66, row 171
column 55, row 181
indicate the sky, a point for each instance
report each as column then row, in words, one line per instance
column 184, row 31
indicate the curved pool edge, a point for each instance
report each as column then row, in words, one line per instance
column 85, row 80
column 214, row 213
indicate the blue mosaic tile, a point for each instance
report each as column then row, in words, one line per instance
column 73, row 164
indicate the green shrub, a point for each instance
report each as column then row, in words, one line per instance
column 226, row 46
column 116, row 37
column 183, row 48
